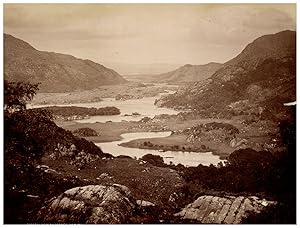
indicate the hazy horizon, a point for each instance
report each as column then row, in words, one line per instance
column 127, row 36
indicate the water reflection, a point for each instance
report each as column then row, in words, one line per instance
column 144, row 107
column 176, row 157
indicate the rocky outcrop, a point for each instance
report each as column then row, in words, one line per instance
column 239, row 143
column 216, row 132
column 73, row 156
column 222, row 210
column 143, row 203
column 92, row 204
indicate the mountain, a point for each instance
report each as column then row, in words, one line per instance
column 274, row 46
column 56, row 72
column 259, row 80
column 189, row 73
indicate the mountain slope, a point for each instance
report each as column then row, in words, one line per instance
column 56, row 72
column 260, row 79
column 273, row 46
column 190, row 73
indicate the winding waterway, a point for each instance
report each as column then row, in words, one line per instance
column 176, row 157
column 146, row 108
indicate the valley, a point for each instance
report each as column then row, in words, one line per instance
column 184, row 126
column 210, row 143
column 183, row 140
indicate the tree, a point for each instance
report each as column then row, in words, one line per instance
column 16, row 94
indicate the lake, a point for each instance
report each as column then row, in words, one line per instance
column 176, row 157
column 144, row 106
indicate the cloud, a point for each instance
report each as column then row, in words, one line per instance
column 195, row 33
column 237, row 24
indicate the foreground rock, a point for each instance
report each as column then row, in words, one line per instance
column 90, row 204
column 228, row 209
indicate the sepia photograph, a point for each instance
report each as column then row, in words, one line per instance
column 139, row 113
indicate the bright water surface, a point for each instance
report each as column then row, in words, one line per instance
column 145, row 107
column 176, row 157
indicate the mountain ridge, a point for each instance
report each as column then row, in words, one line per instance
column 56, row 72
column 261, row 77
column 266, row 46
column 190, row 73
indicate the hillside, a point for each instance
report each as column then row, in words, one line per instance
column 56, row 72
column 50, row 173
column 189, row 73
column 257, row 81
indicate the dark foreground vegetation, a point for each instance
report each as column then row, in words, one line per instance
column 270, row 175
column 254, row 172
column 30, row 136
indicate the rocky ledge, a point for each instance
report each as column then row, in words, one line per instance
column 92, row 204
column 222, row 210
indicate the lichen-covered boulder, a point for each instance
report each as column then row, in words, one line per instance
column 144, row 203
column 226, row 210
column 90, row 204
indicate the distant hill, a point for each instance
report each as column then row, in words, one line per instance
column 56, row 72
column 259, row 80
column 189, row 73
column 182, row 75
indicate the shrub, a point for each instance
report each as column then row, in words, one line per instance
column 85, row 132
column 155, row 160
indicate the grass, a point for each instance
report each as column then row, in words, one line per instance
column 112, row 131
column 147, row 182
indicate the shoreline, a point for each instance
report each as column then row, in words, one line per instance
column 112, row 131
column 179, row 147
column 131, row 90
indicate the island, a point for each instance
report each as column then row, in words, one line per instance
column 78, row 113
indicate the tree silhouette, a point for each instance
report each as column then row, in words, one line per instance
column 16, row 94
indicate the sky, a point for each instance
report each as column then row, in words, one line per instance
column 147, row 33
